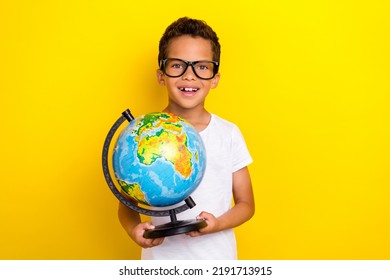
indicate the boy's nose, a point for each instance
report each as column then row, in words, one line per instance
column 189, row 74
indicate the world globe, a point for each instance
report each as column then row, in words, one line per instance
column 159, row 159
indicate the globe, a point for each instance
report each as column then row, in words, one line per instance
column 159, row 159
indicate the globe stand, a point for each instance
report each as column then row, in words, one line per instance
column 175, row 226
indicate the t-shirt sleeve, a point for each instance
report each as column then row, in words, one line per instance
column 241, row 155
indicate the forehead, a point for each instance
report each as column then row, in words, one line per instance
column 190, row 48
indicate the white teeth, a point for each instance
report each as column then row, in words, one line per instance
column 189, row 89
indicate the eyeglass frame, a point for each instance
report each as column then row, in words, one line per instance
column 189, row 63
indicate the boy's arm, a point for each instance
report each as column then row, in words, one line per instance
column 131, row 222
column 242, row 211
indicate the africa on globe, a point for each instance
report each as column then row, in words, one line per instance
column 159, row 159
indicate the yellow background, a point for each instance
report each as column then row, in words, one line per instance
column 306, row 81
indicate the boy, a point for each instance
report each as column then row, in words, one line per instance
column 189, row 54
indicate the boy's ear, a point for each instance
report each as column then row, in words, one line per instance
column 215, row 81
column 160, row 77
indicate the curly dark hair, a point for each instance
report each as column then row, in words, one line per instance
column 192, row 27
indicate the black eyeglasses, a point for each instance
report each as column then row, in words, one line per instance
column 176, row 67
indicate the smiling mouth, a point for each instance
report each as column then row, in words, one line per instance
column 188, row 90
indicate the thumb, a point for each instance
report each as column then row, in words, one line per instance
column 203, row 216
column 147, row 226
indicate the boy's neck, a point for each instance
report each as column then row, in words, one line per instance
column 198, row 118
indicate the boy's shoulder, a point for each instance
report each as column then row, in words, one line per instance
column 223, row 126
column 222, row 122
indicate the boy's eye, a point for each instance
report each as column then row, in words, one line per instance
column 177, row 65
column 174, row 64
column 202, row 67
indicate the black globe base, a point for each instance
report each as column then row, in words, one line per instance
column 174, row 228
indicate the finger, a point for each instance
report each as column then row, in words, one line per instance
column 157, row 241
column 148, row 243
column 194, row 233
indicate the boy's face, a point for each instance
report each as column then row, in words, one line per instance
column 188, row 91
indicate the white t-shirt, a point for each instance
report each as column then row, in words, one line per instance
column 226, row 153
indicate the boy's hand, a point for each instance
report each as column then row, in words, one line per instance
column 138, row 232
column 212, row 225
